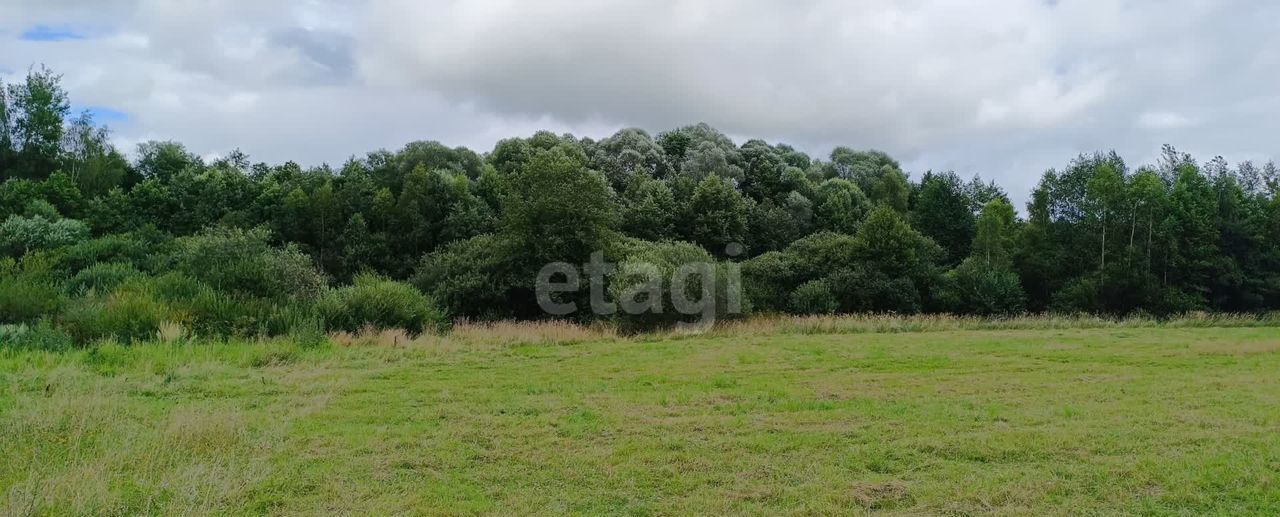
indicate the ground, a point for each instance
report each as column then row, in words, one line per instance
column 1150, row 420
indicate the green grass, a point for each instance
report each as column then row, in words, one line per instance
column 1024, row 421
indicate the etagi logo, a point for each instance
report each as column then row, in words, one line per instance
column 702, row 289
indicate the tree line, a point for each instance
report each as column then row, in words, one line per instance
column 467, row 231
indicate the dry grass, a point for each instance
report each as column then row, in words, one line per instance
column 507, row 333
column 466, row 334
column 892, row 323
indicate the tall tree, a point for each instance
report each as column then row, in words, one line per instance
column 942, row 212
column 38, row 107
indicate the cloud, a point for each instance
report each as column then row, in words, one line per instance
column 1004, row 88
column 1165, row 120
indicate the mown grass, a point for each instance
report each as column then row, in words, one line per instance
column 1119, row 419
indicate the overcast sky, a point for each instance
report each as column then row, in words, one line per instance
column 1001, row 88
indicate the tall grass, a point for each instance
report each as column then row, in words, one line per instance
column 885, row 323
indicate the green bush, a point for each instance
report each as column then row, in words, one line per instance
column 25, row 298
column 973, row 288
column 767, row 279
column 813, row 297
column 19, row 235
column 214, row 313
column 175, row 287
column 380, row 303
column 470, row 277
column 650, row 267
column 41, row 336
column 124, row 248
column 241, row 261
column 130, row 313
column 100, row 278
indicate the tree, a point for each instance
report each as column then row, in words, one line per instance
column 893, row 267
column 1106, row 194
column 942, row 212
column 718, row 215
column 841, row 206
column 627, row 153
column 763, row 171
column 558, row 210
column 648, row 209
column 985, row 283
column 90, row 160
column 164, row 160
column 36, row 111
column 1192, row 233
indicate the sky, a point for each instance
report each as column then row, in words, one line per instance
column 1001, row 88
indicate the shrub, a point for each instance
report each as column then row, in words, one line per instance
column 19, row 235
column 972, row 288
column 42, row 336
column 242, row 262
column 129, row 313
column 215, row 313
column 813, row 297
column 129, row 249
column 649, row 267
column 26, row 298
column 100, row 278
column 470, row 277
column 174, row 287
column 380, row 303
column 767, row 279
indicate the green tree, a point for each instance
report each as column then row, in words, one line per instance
column 557, row 210
column 648, row 209
column 164, row 160
column 841, row 206
column 942, row 212
column 37, row 108
column 719, row 215
column 90, row 160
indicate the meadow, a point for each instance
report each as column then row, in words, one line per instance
column 807, row 416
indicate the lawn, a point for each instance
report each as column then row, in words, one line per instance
column 1129, row 420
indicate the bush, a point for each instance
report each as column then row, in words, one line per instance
column 130, row 313
column 100, row 278
column 813, row 297
column 174, row 287
column 470, row 277
column 25, row 298
column 242, row 262
column 767, row 281
column 129, row 249
column 42, row 336
column 214, row 313
column 972, row 288
column 19, row 235
column 650, row 267
column 380, row 303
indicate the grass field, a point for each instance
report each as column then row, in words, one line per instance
column 1019, row 421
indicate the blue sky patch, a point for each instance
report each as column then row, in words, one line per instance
column 102, row 114
column 51, row 33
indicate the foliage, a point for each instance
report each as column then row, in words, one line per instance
column 242, row 261
column 813, row 297
column 28, row 298
column 237, row 248
column 376, row 302
column 20, row 235
column 129, row 313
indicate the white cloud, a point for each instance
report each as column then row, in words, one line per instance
column 1005, row 88
column 1165, row 120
